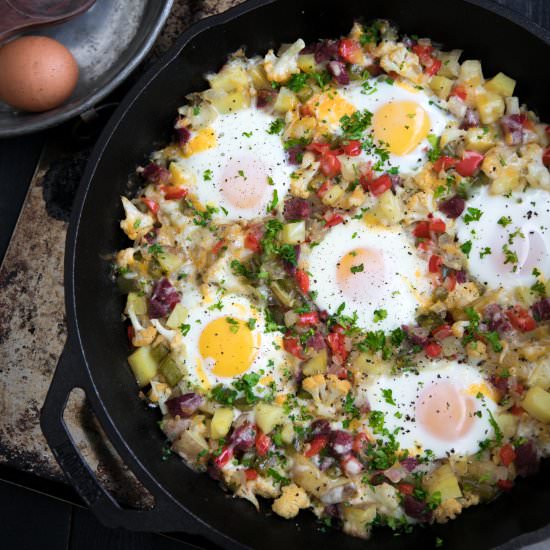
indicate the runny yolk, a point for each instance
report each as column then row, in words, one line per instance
column 244, row 182
column 445, row 412
column 360, row 272
column 330, row 108
column 401, row 126
column 229, row 343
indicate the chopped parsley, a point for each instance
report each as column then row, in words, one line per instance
column 466, row 247
column 297, row 81
column 207, row 175
column 251, row 323
column 355, row 124
column 511, row 256
column 233, row 325
column 435, row 152
column 276, row 127
column 486, row 251
column 184, row 329
column 274, row 201
column 388, row 397
column 504, row 221
column 379, row 315
column 539, row 288
column 357, row 268
column 472, row 215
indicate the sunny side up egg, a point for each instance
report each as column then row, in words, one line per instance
column 402, row 119
column 445, row 407
column 373, row 270
column 237, row 165
column 510, row 239
column 225, row 341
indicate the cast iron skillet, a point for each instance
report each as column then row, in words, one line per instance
column 95, row 355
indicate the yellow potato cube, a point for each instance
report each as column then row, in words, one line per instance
column 258, row 76
column 471, row 73
column 221, row 422
column 479, row 139
column 441, row 86
column 490, row 106
column 144, row 365
column 450, row 67
column 537, row 404
column 307, row 63
column 269, row 416
column 443, row 481
column 506, row 181
column 230, row 78
column 177, row 317
column 501, row 84
column 508, row 424
column 286, row 101
column 317, row 364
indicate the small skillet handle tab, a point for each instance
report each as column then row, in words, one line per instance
column 161, row 518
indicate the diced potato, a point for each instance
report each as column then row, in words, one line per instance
column 269, row 416
column 307, row 63
column 171, row 371
column 443, row 481
column 231, row 101
column 507, row 180
column 294, row 233
column 317, row 364
column 471, row 73
column 286, row 101
column 169, row 262
column 287, row 433
column 508, row 424
column 178, row 177
column 450, row 135
column 144, row 365
column 490, row 106
column 190, row 445
column 512, row 105
column 137, row 303
column 368, row 364
column 282, row 294
column 333, row 195
column 221, row 422
column 230, row 78
column 479, row 139
column 309, row 477
column 441, row 86
column 540, row 376
column 450, row 67
column 388, row 209
column 502, row 85
column 258, row 76
column 357, row 520
column 537, row 404
column 302, row 128
column 177, row 317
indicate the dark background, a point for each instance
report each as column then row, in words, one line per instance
column 30, row 518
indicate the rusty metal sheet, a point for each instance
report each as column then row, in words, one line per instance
column 32, row 316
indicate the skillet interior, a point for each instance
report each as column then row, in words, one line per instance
column 143, row 121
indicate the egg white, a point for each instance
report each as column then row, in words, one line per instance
column 246, row 157
column 398, row 287
column 525, row 232
column 405, row 390
column 268, row 358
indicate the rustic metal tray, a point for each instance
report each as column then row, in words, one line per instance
column 108, row 42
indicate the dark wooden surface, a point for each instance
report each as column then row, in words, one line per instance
column 30, row 520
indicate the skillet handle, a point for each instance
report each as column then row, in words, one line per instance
column 165, row 516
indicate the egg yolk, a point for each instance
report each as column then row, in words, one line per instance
column 204, row 139
column 229, row 343
column 360, row 272
column 244, row 182
column 330, row 108
column 444, row 411
column 401, row 125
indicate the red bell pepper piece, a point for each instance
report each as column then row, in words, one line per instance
column 332, row 219
column 352, row 148
column 442, row 332
column 380, row 185
column 263, row 442
column 292, row 345
column 360, row 441
column 151, row 205
column 250, row 474
column 337, row 344
column 318, row 443
column 507, row 455
column 252, row 242
column 422, row 230
column 469, row 164
column 444, row 163
column 433, row 349
column 330, row 165
column 460, row 92
column 521, row 319
column 171, row 192
column 302, row 278
column 350, row 50
column 435, row 263
column 216, row 249
column 437, row 225
column 406, row 488
column 309, row 319
column 224, row 457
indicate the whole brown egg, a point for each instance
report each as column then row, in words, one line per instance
column 37, row 73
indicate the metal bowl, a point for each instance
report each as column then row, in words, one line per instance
column 108, row 42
